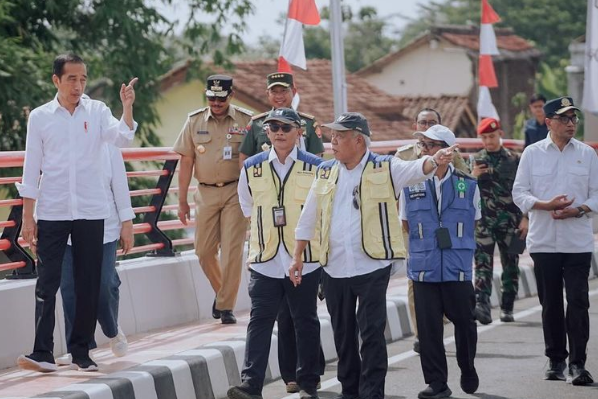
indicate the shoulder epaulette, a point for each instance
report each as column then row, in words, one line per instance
column 197, row 111
column 259, row 116
column 243, row 110
column 308, row 116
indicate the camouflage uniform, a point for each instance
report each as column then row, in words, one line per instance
column 500, row 218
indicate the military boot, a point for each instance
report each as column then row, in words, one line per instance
column 506, row 307
column 482, row 308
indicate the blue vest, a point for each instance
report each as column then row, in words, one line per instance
column 427, row 262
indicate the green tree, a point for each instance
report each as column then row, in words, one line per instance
column 118, row 39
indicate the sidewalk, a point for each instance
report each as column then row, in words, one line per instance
column 199, row 360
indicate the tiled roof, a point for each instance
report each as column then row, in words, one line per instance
column 465, row 36
column 390, row 117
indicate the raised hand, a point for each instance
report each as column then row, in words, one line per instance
column 127, row 93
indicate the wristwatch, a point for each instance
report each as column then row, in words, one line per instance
column 581, row 212
column 433, row 161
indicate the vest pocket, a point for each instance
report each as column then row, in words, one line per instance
column 379, row 185
column 303, row 184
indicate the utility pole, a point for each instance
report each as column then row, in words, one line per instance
column 339, row 84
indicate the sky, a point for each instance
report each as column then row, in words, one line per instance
column 267, row 12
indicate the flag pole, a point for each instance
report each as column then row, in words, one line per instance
column 339, row 84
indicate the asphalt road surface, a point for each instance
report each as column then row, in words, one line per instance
column 510, row 362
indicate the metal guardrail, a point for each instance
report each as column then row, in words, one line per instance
column 23, row 264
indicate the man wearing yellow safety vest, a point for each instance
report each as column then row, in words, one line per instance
column 273, row 186
column 352, row 209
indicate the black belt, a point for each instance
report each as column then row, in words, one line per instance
column 219, row 184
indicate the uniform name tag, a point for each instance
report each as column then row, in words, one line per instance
column 203, row 132
column 280, row 218
column 417, row 191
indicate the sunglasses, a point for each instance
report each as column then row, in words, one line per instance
column 217, row 99
column 356, row 197
column 565, row 119
column 430, row 145
column 274, row 128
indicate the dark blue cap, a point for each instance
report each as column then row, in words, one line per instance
column 559, row 105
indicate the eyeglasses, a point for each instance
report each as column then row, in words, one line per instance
column 274, row 128
column 430, row 145
column 427, row 123
column 356, row 197
column 217, row 99
column 566, row 119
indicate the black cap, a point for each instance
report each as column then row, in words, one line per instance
column 279, row 79
column 350, row 121
column 284, row 115
column 219, row 86
column 559, row 106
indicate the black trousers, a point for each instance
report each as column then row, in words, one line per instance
column 551, row 270
column 267, row 294
column 87, row 239
column 456, row 300
column 360, row 376
column 287, row 344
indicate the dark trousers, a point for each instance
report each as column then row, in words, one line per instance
column 363, row 376
column 267, row 294
column 456, row 300
column 86, row 237
column 287, row 344
column 551, row 270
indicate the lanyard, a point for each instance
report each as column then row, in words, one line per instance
column 280, row 186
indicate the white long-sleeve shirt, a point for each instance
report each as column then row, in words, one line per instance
column 117, row 191
column 545, row 172
column 346, row 257
column 63, row 167
column 277, row 267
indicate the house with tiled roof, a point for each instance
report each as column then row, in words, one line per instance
column 444, row 61
column 390, row 116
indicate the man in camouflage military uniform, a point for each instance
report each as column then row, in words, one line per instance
column 280, row 90
column 209, row 147
column 495, row 167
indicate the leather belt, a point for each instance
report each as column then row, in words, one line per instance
column 219, row 184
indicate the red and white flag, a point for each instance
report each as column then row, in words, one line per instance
column 292, row 49
column 486, row 75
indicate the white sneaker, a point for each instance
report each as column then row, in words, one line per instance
column 64, row 360
column 119, row 344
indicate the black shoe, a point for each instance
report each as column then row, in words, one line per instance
column 344, row 396
column 482, row 311
column 416, row 346
column 227, row 317
column 84, row 363
column 308, row 395
column 578, row 375
column 242, row 392
column 434, row 391
column 37, row 361
column 215, row 312
column 470, row 381
column 556, row 371
column 506, row 316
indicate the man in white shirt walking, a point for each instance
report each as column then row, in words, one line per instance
column 63, row 141
column 557, row 184
column 353, row 202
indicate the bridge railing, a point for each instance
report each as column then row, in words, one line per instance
column 21, row 261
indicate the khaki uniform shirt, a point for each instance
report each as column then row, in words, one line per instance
column 205, row 138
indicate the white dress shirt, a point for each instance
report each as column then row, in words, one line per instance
column 346, row 257
column 438, row 183
column 545, row 172
column 277, row 267
column 117, row 191
column 67, row 151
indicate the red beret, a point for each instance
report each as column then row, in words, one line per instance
column 488, row 125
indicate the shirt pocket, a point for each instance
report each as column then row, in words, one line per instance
column 378, row 185
column 542, row 181
column 579, row 177
column 202, row 138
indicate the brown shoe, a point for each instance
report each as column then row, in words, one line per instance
column 292, row 387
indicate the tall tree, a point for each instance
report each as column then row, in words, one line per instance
column 118, row 39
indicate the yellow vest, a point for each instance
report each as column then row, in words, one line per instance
column 382, row 236
column 265, row 186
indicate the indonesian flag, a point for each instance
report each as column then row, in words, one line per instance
column 292, row 49
column 486, row 74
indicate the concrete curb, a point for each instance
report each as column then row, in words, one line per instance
column 208, row 371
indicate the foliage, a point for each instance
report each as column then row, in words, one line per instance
column 548, row 23
column 118, row 39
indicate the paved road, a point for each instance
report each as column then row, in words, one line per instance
column 510, row 362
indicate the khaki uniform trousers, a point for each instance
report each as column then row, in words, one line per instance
column 220, row 224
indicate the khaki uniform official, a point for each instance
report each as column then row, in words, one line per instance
column 213, row 143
